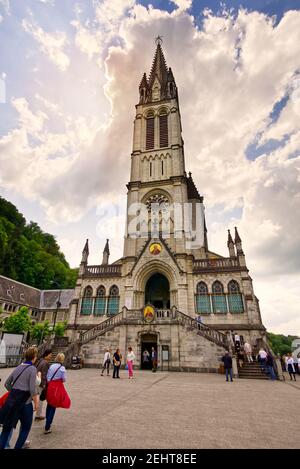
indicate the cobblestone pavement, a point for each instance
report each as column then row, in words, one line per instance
column 172, row 410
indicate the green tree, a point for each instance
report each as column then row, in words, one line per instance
column 59, row 330
column 29, row 255
column 40, row 331
column 18, row 322
column 280, row 343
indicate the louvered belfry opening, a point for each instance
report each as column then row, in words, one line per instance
column 150, row 133
column 163, row 131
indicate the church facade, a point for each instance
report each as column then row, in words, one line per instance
column 169, row 290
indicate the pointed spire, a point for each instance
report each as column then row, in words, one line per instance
column 143, row 89
column 106, row 249
column 192, row 191
column 106, row 253
column 230, row 240
column 144, row 83
column 237, row 238
column 85, row 253
column 159, row 67
column 238, row 242
column 230, row 245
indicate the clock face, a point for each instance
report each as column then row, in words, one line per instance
column 155, row 248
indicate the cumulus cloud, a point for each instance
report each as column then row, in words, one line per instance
column 183, row 4
column 5, row 4
column 51, row 44
column 95, row 36
column 231, row 76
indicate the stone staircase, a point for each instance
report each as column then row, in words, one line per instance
column 58, row 349
column 251, row 371
column 136, row 316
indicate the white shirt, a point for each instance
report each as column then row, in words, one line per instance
column 247, row 347
column 106, row 357
column 130, row 357
column 262, row 354
column 237, row 338
column 290, row 361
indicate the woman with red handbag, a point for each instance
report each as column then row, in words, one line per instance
column 21, row 385
column 57, row 396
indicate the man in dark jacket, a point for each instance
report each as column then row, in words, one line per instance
column 270, row 367
column 43, row 366
column 227, row 360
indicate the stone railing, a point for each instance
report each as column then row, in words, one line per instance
column 212, row 264
column 102, row 271
column 101, row 328
column 211, row 334
column 135, row 316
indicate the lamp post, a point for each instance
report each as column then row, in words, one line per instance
column 58, row 304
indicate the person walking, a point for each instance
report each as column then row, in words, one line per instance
column 43, row 367
column 56, row 394
column 237, row 342
column 117, row 358
column 295, row 360
column 227, row 360
column 154, row 360
column 262, row 358
column 22, row 388
column 290, row 367
column 248, row 352
column 130, row 362
column 270, row 366
column 106, row 362
column 199, row 321
column 146, row 358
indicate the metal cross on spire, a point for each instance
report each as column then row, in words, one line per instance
column 158, row 40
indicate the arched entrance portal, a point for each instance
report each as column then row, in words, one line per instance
column 157, row 291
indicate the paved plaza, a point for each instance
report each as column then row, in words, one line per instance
column 172, row 410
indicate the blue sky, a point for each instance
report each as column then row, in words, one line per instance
column 72, row 70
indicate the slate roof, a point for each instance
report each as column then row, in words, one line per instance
column 16, row 292
column 192, row 190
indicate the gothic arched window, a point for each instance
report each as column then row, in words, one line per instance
column 100, row 302
column 87, row 301
column 235, row 300
column 163, row 129
column 218, row 298
column 113, row 300
column 202, row 299
column 150, row 131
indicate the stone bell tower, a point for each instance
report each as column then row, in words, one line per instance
column 158, row 173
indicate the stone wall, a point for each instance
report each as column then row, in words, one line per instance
column 188, row 351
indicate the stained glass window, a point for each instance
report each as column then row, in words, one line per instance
column 87, row 301
column 100, row 302
column 235, row 300
column 113, row 300
column 202, row 299
column 218, row 298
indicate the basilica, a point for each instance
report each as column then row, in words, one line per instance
column 169, row 290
